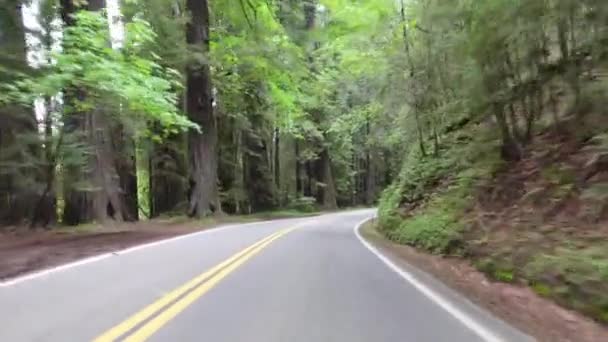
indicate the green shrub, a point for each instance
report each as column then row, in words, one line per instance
column 387, row 207
column 304, row 204
column 504, row 275
column 434, row 230
column 497, row 267
column 541, row 289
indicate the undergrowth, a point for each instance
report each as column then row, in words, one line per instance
column 438, row 189
column 577, row 278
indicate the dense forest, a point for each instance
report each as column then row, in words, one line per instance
column 122, row 111
column 126, row 110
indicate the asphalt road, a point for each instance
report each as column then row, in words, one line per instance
column 303, row 280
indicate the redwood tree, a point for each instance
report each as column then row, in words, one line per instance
column 202, row 146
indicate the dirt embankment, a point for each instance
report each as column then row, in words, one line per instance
column 539, row 225
column 543, row 222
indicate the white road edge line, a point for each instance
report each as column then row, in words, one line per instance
column 448, row 306
column 47, row 271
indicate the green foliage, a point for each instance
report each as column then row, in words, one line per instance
column 253, row 55
column 436, row 230
column 584, row 273
column 500, row 269
column 142, row 159
column 128, row 83
column 541, row 289
column 86, row 90
column 388, row 205
column 436, row 190
column 285, row 213
column 168, row 21
column 504, row 275
column 589, row 264
column 303, row 205
column 438, row 225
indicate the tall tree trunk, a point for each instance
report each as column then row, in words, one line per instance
column 420, row 132
column 326, row 192
column 514, row 122
column 68, row 8
column 387, row 168
column 277, row 158
column 575, row 69
column 354, row 170
column 435, row 140
column 370, row 171
column 106, row 199
column 44, row 210
column 107, row 195
column 567, row 45
column 202, row 145
column 259, row 185
column 410, row 60
column 126, row 168
column 510, row 147
column 308, row 191
column 168, row 175
column 361, row 186
column 299, row 184
column 562, row 37
column 239, row 175
column 77, row 207
column 327, row 196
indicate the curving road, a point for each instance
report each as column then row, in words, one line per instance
column 309, row 279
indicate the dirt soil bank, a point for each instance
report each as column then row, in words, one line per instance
column 518, row 305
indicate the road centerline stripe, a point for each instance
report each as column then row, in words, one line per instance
column 164, row 301
column 155, row 324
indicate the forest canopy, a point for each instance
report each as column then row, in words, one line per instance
column 244, row 106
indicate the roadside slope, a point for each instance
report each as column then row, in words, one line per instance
column 541, row 221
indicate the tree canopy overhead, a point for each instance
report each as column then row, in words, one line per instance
column 244, row 105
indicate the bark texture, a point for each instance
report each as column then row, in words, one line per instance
column 203, row 192
column 94, row 192
column 168, row 176
column 326, row 189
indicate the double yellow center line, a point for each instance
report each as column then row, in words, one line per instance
column 157, row 314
